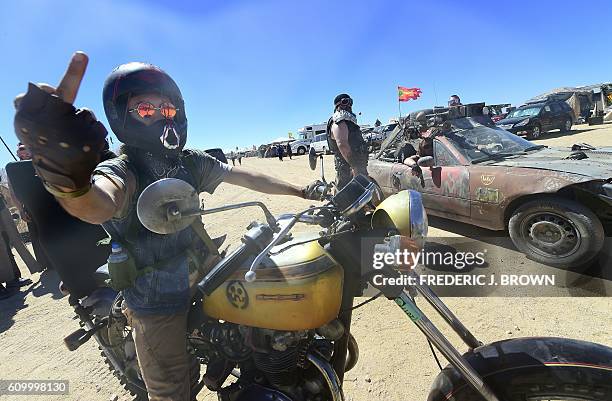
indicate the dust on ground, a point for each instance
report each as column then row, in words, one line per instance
column 395, row 361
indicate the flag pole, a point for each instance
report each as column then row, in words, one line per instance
column 399, row 107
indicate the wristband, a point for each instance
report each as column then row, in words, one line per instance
column 66, row 195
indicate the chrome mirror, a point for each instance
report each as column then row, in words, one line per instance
column 312, row 158
column 167, row 206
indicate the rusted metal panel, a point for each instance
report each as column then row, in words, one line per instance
column 487, row 189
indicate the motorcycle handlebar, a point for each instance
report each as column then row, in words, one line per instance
column 313, row 219
column 302, row 216
column 259, row 240
column 253, row 242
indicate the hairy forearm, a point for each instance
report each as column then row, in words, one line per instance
column 261, row 183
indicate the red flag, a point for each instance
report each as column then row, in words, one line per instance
column 405, row 94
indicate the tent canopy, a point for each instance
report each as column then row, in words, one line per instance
column 282, row 139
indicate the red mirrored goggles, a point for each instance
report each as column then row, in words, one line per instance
column 146, row 109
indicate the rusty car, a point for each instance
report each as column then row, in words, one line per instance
column 555, row 203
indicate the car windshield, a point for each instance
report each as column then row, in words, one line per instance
column 486, row 143
column 526, row 112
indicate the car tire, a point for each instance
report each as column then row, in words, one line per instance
column 557, row 232
column 567, row 125
column 301, row 151
column 536, row 132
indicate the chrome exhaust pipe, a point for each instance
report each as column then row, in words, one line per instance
column 329, row 374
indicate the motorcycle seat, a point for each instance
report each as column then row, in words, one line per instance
column 101, row 275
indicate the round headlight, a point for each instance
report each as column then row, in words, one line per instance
column 404, row 213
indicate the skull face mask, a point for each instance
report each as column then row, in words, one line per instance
column 170, row 138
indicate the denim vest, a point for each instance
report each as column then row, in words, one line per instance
column 165, row 290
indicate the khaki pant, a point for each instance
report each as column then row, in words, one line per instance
column 161, row 348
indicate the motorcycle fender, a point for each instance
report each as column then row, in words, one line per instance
column 521, row 353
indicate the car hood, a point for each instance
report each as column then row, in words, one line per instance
column 597, row 165
column 512, row 120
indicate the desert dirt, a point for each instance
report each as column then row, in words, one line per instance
column 395, row 361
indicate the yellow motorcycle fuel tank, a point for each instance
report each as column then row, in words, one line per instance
column 299, row 288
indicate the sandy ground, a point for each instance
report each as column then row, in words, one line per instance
column 395, row 361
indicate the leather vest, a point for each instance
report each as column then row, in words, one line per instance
column 355, row 138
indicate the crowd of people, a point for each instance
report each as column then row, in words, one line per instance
column 276, row 150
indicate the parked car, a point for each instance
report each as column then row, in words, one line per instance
column 534, row 119
column 375, row 136
column 319, row 144
column 498, row 112
column 555, row 203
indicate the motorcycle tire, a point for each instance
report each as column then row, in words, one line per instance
column 136, row 392
column 533, row 369
column 115, row 337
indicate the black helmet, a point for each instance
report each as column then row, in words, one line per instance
column 343, row 99
column 166, row 137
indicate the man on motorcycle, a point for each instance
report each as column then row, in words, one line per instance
column 145, row 110
column 346, row 142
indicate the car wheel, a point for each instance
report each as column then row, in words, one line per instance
column 567, row 125
column 557, row 232
column 535, row 132
column 301, row 151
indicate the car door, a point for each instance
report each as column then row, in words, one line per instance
column 546, row 118
column 558, row 117
column 445, row 186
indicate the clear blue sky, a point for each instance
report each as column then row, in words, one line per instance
column 253, row 71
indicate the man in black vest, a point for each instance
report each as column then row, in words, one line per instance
column 346, row 141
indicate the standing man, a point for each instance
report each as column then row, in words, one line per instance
column 280, row 151
column 146, row 111
column 346, row 142
column 233, row 157
column 10, row 272
column 289, row 151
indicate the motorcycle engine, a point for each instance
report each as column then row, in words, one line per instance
column 278, row 354
column 266, row 358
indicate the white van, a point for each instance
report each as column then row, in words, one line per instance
column 306, row 136
column 319, row 144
